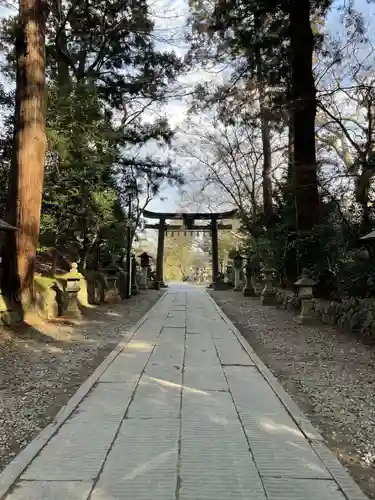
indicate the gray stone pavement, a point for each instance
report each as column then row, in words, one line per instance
column 184, row 410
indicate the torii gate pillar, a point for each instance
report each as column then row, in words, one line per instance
column 160, row 253
column 215, row 249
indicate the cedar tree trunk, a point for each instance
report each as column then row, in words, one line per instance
column 303, row 112
column 265, row 127
column 29, row 148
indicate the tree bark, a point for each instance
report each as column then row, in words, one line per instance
column 29, row 147
column 290, row 171
column 290, row 256
column 267, row 162
column 265, row 128
column 303, row 112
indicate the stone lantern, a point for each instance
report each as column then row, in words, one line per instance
column 305, row 293
column 72, row 287
column 237, row 263
column 145, row 264
column 268, row 295
column 249, row 290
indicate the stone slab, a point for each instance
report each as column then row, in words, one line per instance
column 142, row 464
column 175, row 322
column 164, row 374
column 231, row 352
column 137, row 345
column 251, row 393
column 155, row 399
column 150, row 329
column 216, row 463
column 203, row 406
column 171, row 336
column 127, row 367
column 168, row 355
column 205, row 378
column 78, row 450
column 200, row 355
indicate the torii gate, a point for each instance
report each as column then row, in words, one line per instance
column 189, row 225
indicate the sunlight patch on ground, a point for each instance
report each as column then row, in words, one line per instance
column 136, row 345
column 271, row 426
column 172, row 385
column 151, row 464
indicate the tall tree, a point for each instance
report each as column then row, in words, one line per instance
column 29, row 148
column 303, row 94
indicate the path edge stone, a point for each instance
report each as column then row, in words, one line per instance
column 339, row 473
column 16, row 467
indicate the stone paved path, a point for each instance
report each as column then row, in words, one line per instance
column 184, row 411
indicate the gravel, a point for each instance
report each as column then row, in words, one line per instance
column 329, row 373
column 42, row 366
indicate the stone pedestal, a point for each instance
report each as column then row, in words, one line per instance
column 256, row 285
column 72, row 309
column 237, row 280
column 248, row 290
column 157, row 285
column 305, row 293
column 134, row 284
column 268, row 295
column 237, row 264
column 143, row 278
column 306, row 316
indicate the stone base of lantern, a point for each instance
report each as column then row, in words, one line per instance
column 248, row 291
column 306, row 316
column 157, row 285
column 237, row 281
column 268, row 298
column 72, row 309
column 143, row 279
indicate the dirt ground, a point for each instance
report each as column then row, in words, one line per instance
column 42, row 365
column 329, row 373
